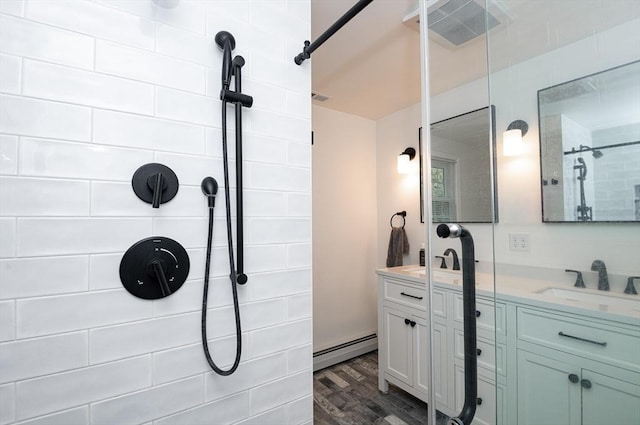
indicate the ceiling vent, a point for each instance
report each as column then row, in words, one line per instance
column 318, row 97
column 454, row 22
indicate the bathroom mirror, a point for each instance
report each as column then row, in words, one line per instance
column 589, row 147
column 462, row 157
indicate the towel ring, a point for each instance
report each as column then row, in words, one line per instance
column 402, row 214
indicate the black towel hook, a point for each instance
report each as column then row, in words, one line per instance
column 402, row 214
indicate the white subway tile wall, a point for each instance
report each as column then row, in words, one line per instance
column 90, row 90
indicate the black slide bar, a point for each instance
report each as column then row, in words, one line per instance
column 309, row 48
column 470, row 313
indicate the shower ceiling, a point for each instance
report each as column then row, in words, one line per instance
column 371, row 67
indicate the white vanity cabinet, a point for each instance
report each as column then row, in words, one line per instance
column 403, row 336
column 403, row 342
column 576, row 370
column 539, row 362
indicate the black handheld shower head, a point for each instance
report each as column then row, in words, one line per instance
column 227, row 43
column 209, row 187
column 582, row 169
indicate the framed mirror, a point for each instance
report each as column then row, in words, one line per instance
column 590, row 147
column 462, row 157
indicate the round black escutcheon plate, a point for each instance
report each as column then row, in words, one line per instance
column 154, row 268
column 145, row 178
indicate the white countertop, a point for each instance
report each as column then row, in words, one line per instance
column 623, row 308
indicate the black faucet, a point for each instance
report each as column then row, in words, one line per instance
column 603, row 278
column 456, row 263
column 630, row 289
column 579, row 282
column 443, row 263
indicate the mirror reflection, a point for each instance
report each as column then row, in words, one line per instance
column 461, row 164
column 589, row 137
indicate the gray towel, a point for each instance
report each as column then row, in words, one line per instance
column 398, row 246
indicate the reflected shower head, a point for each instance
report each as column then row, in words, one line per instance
column 596, row 153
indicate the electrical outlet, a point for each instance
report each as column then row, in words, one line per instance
column 519, row 241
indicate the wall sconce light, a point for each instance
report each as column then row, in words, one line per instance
column 404, row 160
column 512, row 143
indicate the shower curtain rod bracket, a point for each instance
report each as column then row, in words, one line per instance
column 309, row 48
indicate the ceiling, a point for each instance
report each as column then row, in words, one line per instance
column 371, row 67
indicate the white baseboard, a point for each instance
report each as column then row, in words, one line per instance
column 344, row 352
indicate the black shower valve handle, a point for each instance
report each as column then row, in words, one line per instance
column 157, row 184
column 157, row 269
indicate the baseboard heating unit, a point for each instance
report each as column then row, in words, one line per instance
column 345, row 351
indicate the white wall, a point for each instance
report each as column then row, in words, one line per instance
column 397, row 192
column 514, row 93
column 90, row 91
column 344, row 228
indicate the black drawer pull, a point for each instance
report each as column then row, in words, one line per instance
column 410, row 296
column 604, row 344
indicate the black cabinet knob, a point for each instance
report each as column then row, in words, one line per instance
column 407, row 321
column 478, row 352
column 573, row 378
column 479, row 401
column 585, row 383
column 478, row 313
column 412, row 323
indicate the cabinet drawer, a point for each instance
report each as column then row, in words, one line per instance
column 582, row 337
column 409, row 295
column 489, row 319
column 487, row 401
column 488, row 359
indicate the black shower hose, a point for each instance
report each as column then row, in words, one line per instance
column 232, row 267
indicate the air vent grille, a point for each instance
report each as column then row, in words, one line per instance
column 318, row 97
column 456, row 22
column 460, row 21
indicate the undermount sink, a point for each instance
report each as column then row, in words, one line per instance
column 451, row 277
column 587, row 296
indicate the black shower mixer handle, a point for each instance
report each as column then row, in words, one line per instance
column 158, row 185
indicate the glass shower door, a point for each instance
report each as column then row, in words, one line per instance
column 566, row 250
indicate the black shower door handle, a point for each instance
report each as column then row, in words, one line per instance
column 471, row 400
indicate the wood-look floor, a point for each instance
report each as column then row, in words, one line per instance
column 347, row 394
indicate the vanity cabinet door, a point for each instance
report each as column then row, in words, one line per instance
column 548, row 391
column 398, row 350
column 606, row 400
column 440, row 364
column 421, row 354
